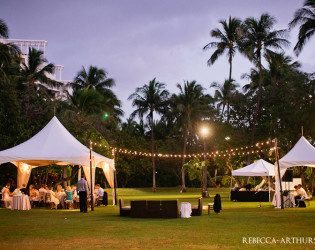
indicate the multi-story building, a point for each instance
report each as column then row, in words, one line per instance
column 24, row 46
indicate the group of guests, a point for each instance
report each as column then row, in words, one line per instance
column 58, row 197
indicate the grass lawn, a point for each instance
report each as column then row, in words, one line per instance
column 42, row 228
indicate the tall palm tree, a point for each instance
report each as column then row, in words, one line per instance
column 149, row 99
column 191, row 104
column 259, row 36
column 228, row 41
column 223, row 95
column 306, row 18
column 96, row 78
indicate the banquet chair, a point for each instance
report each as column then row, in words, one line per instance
column 197, row 210
column 48, row 200
column 42, row 198
column 124, row 210
column 69, row 204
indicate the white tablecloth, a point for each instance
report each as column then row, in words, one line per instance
column 185, row 210
column 21, row 202
column 288, row 200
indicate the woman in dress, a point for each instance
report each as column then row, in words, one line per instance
column 7, row 196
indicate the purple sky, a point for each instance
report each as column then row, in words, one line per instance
column 137, row 40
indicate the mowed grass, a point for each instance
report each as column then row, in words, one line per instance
column 42, row 228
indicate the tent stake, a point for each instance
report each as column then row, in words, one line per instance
column 91, row 176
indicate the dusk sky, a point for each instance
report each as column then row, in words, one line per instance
column 137, row 40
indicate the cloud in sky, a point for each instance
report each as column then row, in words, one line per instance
column 137, row 40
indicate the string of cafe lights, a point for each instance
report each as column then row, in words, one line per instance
column 240, row 151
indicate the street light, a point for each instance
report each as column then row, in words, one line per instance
column 204, row 132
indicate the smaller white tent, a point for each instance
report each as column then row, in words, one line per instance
column 302, row 154
column 55, row 145
column 258, row 168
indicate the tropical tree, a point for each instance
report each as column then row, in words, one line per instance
column 9, row 53
column 148, row 99
column 228, row 41
column 306, row 18
column 223, row 95
column 190, row 105
column 35, row 70
column 259, row 36
column 97, row 79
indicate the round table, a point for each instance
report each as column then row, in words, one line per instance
column 185, row 210
column 20, row 202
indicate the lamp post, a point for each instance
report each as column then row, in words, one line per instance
column 204, row 132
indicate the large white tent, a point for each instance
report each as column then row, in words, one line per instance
column 302, row 154
column 258, row 168
column 55, row 145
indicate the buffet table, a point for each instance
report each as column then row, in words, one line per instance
column 251, row 196
column 20, row 202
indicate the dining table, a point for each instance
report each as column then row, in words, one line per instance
column 20, row 202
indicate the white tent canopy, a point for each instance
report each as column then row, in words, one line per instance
column 258, row 168
column 302, row 154
column 55, row 145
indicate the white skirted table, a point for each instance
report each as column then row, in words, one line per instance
column 185, row 210
column 20, row 202
column 288, row 200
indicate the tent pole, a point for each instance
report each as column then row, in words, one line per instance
column 230, row 187
column 279, row 175
column 115, row 178
column 269, row 186
column 91, row 176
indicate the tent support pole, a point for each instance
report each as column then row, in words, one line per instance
column 269, row 186
column 230, row 187
column 91, row 176
column 279, row 175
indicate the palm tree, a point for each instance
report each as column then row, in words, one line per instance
column 149, row 99
column 4, row 31
column 223, row 95
column 306, row 17
column 9, row 52
column 191, row 104
column 259, row 36
column 228, row 41
column 97, row 79
column 36, row 71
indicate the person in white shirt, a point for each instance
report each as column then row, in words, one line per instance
column 52, row 198
column 99, row 192
column 301, row 191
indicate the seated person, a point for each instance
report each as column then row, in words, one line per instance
column 300, row 194
column 42, row 189
column 236, row 188
column 53, row 198
column 21, row 188
column 34, row 194
column 61, row 196
column 7, row 196
column 99, row 192
column 69, row 194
